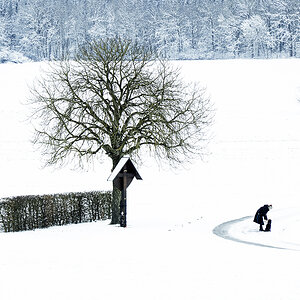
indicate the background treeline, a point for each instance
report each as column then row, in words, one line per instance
column 178, row 29
column 31, row 212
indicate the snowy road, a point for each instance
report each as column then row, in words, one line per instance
column 242, row 231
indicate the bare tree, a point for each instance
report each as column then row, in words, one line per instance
column 116, row 98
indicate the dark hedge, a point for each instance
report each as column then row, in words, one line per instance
column 41, row 211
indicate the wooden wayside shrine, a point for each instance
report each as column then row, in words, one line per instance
column 122, row 176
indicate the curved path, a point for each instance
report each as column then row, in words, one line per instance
column 222, row 230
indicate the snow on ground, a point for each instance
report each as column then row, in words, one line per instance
column 169, row 250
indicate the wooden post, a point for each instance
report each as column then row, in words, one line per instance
column 123, row 204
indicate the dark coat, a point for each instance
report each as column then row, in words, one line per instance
column 261, row 214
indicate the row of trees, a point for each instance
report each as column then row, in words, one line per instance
column 178, row 29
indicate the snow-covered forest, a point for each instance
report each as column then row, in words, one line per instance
column 178, row 29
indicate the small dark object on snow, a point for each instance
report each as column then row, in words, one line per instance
column 268, row 226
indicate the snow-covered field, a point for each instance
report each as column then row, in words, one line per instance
column 169, row 250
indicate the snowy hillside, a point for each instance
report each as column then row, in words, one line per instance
column 169, row 250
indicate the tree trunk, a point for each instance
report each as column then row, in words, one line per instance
column 116, row 199
column 115, row 206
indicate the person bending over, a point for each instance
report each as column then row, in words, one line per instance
column 261, row 215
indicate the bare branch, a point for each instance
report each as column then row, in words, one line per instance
column 116, row 98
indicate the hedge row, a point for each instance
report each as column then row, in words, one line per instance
column 41, row 211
